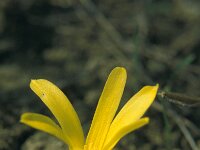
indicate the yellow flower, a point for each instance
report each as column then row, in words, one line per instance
column 106, row 128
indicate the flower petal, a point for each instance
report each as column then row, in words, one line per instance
column 109, row 145
column 42, row 122
column 62, row 109
column 106, row 108
column 132, row 111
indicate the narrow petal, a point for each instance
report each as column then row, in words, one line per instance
column 132, row 111
column 62, row 109
column 109, row 145
column 106, row 109
column 42, row 123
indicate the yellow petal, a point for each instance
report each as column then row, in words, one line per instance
column 42, row 123
column 106, row 109
column 109, row 145
column 132, row 111
column 62, row 109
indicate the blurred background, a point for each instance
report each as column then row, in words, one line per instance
column 76, row 43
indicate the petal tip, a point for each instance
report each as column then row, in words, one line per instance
column 23, row 118
column 157, row 85
column 35, row 85
column 121, row 69
column 33, row 82
column 147, row 120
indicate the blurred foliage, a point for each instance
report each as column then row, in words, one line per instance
column 75, row 44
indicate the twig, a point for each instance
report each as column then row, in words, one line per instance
column 178, row 119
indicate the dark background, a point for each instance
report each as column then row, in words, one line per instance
column 76, row 43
